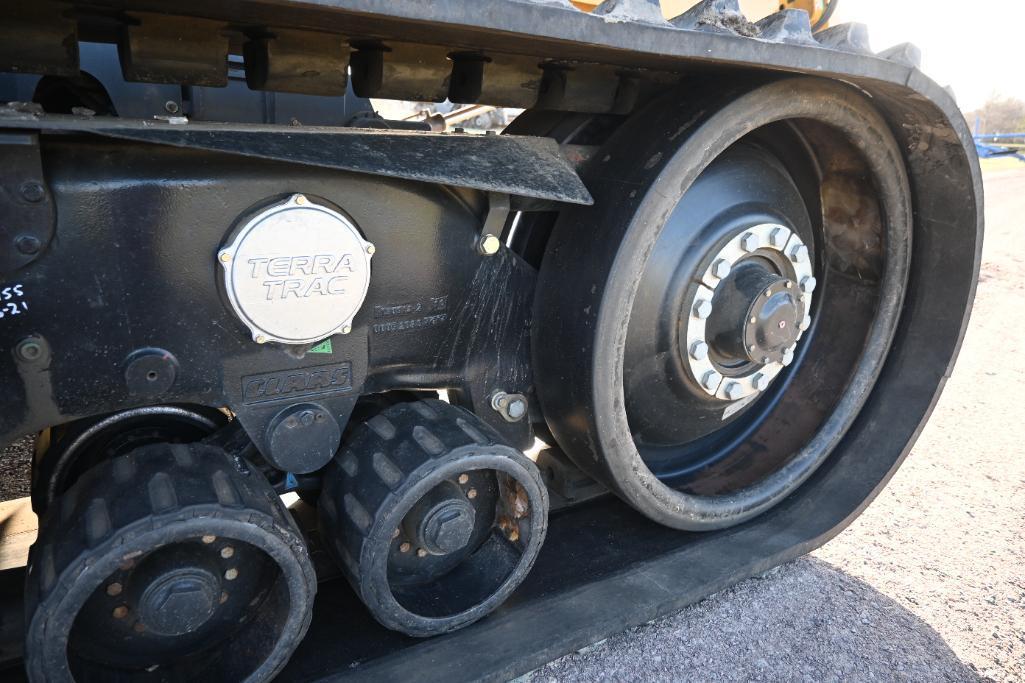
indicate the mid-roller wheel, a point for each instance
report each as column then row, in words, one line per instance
column 433, row 521
column 167, row 563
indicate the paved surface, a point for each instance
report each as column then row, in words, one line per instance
column 929, row 583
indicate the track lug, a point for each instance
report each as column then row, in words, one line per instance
column 907, row 54
column 852, row 37
column 717, row 16
column 787, row 26
column 635, row 11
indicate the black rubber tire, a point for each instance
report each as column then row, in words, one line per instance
column 589, row 280
column 390, row 462
column 151, row 497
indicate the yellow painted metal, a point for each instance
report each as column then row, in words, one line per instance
column 752, row 9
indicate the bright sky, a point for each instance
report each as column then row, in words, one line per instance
column 976, row 46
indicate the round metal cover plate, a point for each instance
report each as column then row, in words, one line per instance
column 297, row 272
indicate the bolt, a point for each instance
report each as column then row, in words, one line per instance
column 752, row 348
column 346, row 329
column 788, row 284
column 420, row 552
column 227, row 551
column 371, row 249
column 702, row 308
column 798, row 253
column 517, row 408
column 710, row 380
column 114, row 589
column 300, row 199
column 120, row 612
column 699, row 350
column 760, row 382
column 404, row 547
column 750, row 242
column 32, row 191
column 29, row 350
column 231, row 574
column 471, row 494
column 225, row 256
column 306, row 418
column 808, row 284
column 721, row 268
column 463, row 478
column 171, row 107
column 778, row 237
column 752, row 320
column 395, row 534
column 28, row 245
column 209, row 539
column 260, row 339
column 489, row 245
column 734, row 391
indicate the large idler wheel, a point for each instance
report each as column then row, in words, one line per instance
column 432, row 520
column 708, row 331
column 167, row 563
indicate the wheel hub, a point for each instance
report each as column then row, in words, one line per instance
column 748, row 311
column 179, row 601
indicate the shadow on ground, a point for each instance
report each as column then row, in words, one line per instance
column 804, row 621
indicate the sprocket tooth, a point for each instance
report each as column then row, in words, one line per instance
column 716, row 16
column 637, row 11
column 787, row 26
column 907, row 54
column 852, row 37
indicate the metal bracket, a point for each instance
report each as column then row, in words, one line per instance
column 27, row 214
column 494, row 223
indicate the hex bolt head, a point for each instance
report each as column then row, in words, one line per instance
column 808, row 284
column 29, row 245
column 699, row 350
column 420, row 552
column 750, row 242
column 31, row 191
column 734, row 391
column 489, row 245
column 702, row 308
column 710, row 380
column 114, row 589
column 227, row 551
column 371, row 249
column 300, row 199
column 517, row 408
column 209, row 538
column 463, row 478
column 760, row 382
column 404, row 547
column 778, row 237
column 29, row 350
column 798, row 253
column 721, row 268
column 231, row 574
column 346, row 329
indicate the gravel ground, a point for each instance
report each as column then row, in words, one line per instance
column 928, row 584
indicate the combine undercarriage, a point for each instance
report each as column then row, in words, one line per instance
column 677, row 324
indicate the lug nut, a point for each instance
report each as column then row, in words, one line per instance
column 120, row 612
column 760, row 382
column 798, row 253
column 227, row 551
column 721, row 268
column 463, row 478
column 420, row 552
column 710, row 380
column 778, row 237
column 114, row 589
column 808, row 284
column 231, row 574
column 404, row 547
column 702, row 308
column 750, row 242
column 699, row 350
column 471, row 494
column 734, row 391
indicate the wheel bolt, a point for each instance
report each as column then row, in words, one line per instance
column 721, row 268
column 798, row 253
column 209, row 539
column 711, row 380
column 778, row 237
column 808, row 284
column 227, row 552
column 734, row 391
column 114, row 589
column 120, row 612
column 420, row 552
column 760, row 382
column 471, row 494
column 699, row 350
column 750, row 242
column 404, row 547
column 231, row 574
column 463, row 478
column 702, row 308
